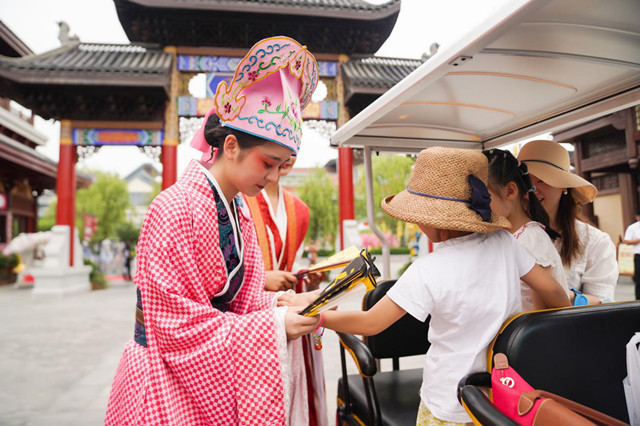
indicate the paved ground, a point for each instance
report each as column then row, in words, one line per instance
column 58, row 356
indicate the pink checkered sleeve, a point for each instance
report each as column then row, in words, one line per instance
column 217, row 358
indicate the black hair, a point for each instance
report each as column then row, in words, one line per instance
column 505, row 168
column 568, row 212
column 215, row 134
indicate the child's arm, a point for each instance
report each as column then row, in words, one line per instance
column 365, row 323
column 551, row 292
column 538, row 303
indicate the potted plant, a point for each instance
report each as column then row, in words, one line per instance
column 96, row 277
column 7, row 266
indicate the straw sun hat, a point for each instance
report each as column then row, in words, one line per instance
column 440, row 194
column 549, row 162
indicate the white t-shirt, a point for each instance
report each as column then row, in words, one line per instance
column 633, row 233
column 533, row 237
column 596, row 271
column 469, row 285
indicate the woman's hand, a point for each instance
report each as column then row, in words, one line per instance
column 297, row 299
column 279, row 281
column 312, row 281
column 298, row 325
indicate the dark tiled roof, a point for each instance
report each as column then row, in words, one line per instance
column 324, row 26
column 376, row 72
column 89, row 58
column 84, row 81
column 306, row 7
column 11, row 44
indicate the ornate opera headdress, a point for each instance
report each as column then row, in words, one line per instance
column 271, row 86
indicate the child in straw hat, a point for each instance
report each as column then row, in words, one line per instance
column 470, row 285
column 512, row 196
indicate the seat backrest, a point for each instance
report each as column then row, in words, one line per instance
column 406, row 337
column 578, row 352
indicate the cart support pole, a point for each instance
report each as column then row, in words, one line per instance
column 386, row 254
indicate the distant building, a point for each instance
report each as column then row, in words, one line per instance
column 141, row 184
column 24, row 172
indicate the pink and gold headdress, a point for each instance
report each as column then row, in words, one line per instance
column 271, row 86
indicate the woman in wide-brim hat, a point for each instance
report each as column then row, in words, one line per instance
column 588, row 254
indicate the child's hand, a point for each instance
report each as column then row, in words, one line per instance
column 298, row 325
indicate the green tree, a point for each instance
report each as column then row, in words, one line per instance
column 320, row 194
column 46, row 222
column 157, row 187
column 127, row 231
column 106, row 199
column 391, row 174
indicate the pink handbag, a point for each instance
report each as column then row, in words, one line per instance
column 516, row 399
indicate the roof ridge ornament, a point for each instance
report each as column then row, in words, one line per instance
column 64, row 34
column 433, row 49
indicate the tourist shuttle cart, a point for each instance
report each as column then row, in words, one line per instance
column 533, row 67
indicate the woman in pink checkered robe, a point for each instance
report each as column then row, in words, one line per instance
column 209, row 348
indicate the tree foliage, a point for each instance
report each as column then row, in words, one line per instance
column 127, row 231
column 156, row 189
column 46, row 221
column 106, row 199
column 320, row 194
column 390, row 175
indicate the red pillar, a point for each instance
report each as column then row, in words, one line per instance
column 345, row 189
column 171, row 132
column 169, row 165
column 66, row 184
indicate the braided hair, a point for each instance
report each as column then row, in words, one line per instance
column 215, row 134
column 505, row 168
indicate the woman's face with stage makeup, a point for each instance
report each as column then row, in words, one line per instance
column 258, row 166
column 287, row 166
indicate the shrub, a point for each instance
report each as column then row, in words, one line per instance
column 9, row 262
column 392, row 250
column 96, row 277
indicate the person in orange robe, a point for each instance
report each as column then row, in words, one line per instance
column 281, row 220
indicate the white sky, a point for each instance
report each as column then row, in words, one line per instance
column 420, row 23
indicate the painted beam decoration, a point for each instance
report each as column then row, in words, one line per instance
column 328, row 68
column 205, row 63
column 100, row 137
column 222, row 68
column 228, row 64
column 325, row 110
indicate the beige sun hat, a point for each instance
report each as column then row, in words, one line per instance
column 549, row 162
column 439, row 193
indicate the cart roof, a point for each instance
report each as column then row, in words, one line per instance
column 534, row 66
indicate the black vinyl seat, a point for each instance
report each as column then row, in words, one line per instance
column 382, row 398
column 578, row 353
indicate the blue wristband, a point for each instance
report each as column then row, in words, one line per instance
column 580, row 299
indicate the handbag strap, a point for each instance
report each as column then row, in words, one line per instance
column 528, row 398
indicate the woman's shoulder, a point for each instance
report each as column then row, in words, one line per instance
column 170, row 209
column 592, row 237
column 169, row 200
column 585, row 229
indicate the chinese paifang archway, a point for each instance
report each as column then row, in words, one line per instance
column 137, row 94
